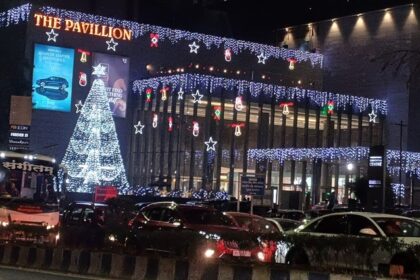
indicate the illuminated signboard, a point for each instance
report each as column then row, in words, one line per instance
column 52, row 79
column 114, row 71
column 81, row 27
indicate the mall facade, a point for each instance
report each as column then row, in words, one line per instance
column 194, row 105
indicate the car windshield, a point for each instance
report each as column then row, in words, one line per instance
column 257, row 225
column 206, row 217
column 398, row 227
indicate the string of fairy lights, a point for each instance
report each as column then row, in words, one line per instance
column 190, row 82
column 157, row 35
column 410, row 160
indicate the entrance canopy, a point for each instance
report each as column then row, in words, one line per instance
column 410, row 160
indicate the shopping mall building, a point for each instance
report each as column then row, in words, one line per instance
column 193, row 110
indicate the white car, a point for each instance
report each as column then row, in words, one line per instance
column 356, row 229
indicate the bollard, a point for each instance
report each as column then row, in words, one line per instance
column 117, row 265
column 166, row 269
column 225, row 272
column 23, row 256
column 261, row 272
column 74, row 261
column 298, row 275
column 57, row 259
column 95, row 263
column 140, row 268
column 7, row 254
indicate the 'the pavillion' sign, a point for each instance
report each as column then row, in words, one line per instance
column 83, row 27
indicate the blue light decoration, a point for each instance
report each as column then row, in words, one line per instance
column 147, row 191
column 15, row 16
column 191, row 82
column 398, row 190
column 203, row 194
column 21, row 14
column 410, row 160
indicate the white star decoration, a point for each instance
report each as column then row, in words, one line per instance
column 111, row 45
column 261, row 58
column 52, row 36
column 197, row 96
column 194, row 47
column 372, row 116
column 99, row 70
column 139, row 128
column 211, row 144
column 78, row 106
column 180, row 94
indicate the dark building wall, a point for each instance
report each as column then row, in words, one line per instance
column 363, row 57
column 51, row 130
column 12, row 80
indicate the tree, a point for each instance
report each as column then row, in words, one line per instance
column 93, row 155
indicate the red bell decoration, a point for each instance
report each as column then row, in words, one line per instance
column 285, row 106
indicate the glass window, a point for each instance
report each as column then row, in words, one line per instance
column 357, row 223
column 336, row 224
column 206, row 217
column 153, row 214
column 76, row 214
column 398, row 227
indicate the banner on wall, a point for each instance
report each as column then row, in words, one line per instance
column 52, row 78
column 114, row 71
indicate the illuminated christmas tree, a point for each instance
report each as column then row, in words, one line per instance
column 93, row 155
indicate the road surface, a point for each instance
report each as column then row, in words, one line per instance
column 7, row 273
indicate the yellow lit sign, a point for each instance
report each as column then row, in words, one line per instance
column 83, row 27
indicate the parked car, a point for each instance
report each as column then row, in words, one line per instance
column 95, row 225
column 413, row 213
column 267, row 232
column 374, row 226
column 82, row 225
column 193, row 231
column 291, row 214
column 286, row 224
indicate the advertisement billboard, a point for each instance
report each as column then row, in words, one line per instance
column 52, row 78
column 114, row 71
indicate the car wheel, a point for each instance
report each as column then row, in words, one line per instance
column 297, row 256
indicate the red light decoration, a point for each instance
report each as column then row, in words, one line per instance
column 170, row 124
column 196, row 129
column 330, row 107
column 217, row 113
column 149, row 92
column 292, row 62
column 164, row 92
column 154, row 40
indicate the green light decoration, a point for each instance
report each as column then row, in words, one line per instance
column 93, row 156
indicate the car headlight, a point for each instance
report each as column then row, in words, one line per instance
column 4, row 224
column 260, row 256
column 112, row 238
column 208, row 253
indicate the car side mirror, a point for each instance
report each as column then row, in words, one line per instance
column 368, row 232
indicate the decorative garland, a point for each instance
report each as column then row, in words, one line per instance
column 15, row 16
column 410, row 160
column 190, row 82
column 21, row 14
